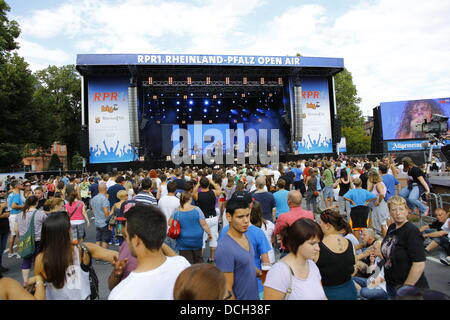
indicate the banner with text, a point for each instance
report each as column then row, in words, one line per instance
column 209, row 60
column 109, row 132
column 317, row 123
column 410, row 145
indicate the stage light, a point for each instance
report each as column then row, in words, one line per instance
column 235, row 121
column 208, row 80
column 178, row 103
column 150, row 80
column 192, row 94
column 243, row 95
column 214, row 96
column 217, row 110
column 260, row 110
column 227, row 80
column 170, row 80
column 280, row 81
column 158, row 122
column 235, row 93
column 234, row 111
column 205, row 110
column 178, row 94
column 190, row 109
column 189, row 80
column 162, row 94
column 191, row 102
column 162, row 102
column 260, row 120
column 155, row 97
column 204, row 116
column 244, row 80
column 234, row 101
column 207, row 94
column 185, row 97
column 219, row 102
column 184, row 121
column 270, row 94
column 206, row 102
column 210, row 121
column 245, row 119
column 217, row 116
column 262, row 80
column 178, row 110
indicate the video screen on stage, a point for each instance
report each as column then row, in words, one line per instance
column 400, row 117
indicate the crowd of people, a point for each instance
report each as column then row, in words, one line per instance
column 307, row 230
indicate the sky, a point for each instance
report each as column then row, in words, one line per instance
column 395, row 49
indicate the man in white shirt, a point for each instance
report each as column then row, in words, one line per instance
column 155, row 275
column 168, row 205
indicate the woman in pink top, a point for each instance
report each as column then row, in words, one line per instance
column 77, row 214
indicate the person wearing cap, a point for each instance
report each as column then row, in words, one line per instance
column 235, row 253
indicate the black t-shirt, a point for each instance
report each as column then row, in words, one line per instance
column 207, row 202
column 288, row 180
column 400, row 248
column 364, row 177
column 4, row 225
column 437, row 225
column 180, row 184
column 415, row 173
column 336, row 268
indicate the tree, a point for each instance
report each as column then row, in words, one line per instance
column 77, row 162
column 10, row 155
column 347, row 100
column 55, row 162
column 59, row 89
column 9, row 31
column 357, row 140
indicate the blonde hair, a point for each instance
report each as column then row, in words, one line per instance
column 122, row 195
column 396, row 201
column 374, row 176
column 52, row 203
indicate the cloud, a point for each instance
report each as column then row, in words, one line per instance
column 39, row 57
column 396, row 50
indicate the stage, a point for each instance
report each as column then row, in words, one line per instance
column 146, row 108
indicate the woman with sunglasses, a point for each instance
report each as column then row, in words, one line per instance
column 336, row 259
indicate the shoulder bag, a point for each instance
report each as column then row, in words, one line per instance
column 291, row 275
column 93, row 279
column 174, row 228
column 27, row 245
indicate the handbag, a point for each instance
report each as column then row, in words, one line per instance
column 174, row 229
column 316, row 193
column 93, row 278
column 27, row 245
column 289, row 289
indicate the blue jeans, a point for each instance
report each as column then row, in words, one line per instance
column 172, row 243
column 370, row 294
column 391, row 291
column 413, row 199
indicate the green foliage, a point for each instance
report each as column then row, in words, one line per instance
column 59, row 92
column 55, row 163
column 10, row 154
column 77, row 162
column 9, row 31
column 357, row 141
column 347, row 100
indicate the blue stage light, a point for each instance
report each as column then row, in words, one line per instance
column 192, row 94
column 205, row 110
column 178, row 103
column 178, row 110
column 260, row 110
column 217, row 110
column 190, row 109
column 234, row 111
column 206, row 102
column 219, row 102
column 191, row 102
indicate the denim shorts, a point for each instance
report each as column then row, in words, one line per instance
column 328, row 192
column 102, row 234
column 78, row 231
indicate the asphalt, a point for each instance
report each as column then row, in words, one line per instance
column 437, row 274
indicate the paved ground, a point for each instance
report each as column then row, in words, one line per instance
column 438, row 275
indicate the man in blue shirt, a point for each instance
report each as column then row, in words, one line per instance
column 112, row 191
column 235, row 255
column 16, row 204
column 359, row 212
column 298, row 177
column 266, row 199
column 100, row 207
column 389, row 181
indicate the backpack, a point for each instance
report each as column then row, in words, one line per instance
column 93, row 279
column 27, row 244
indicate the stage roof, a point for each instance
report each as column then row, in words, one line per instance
column 90, row 64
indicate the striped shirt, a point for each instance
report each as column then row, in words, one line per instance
column 146, row 198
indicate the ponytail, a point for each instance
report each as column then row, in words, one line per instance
column 30, row 202
column 184, row 198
